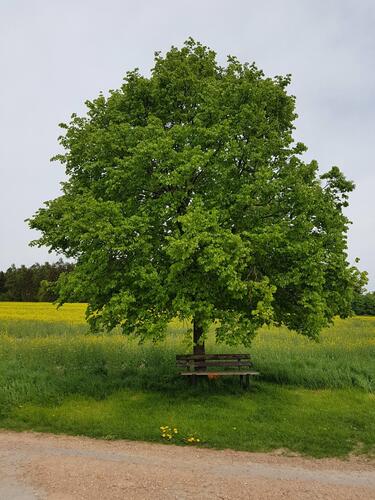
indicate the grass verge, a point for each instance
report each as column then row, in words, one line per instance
column 319, row 423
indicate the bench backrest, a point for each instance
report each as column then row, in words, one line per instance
column 192, row 361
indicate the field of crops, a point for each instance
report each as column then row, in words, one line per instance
column 72, row 314
column 312, row 397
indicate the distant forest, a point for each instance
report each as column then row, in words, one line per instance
column 35, row 284
column 32, row 284
column 364, row 304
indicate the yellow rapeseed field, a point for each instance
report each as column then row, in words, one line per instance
column 43, row 311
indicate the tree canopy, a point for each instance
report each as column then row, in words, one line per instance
column 186, row 195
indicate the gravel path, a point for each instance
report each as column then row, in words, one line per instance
column 43, row 466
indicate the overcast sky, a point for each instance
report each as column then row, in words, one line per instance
column 56, row 54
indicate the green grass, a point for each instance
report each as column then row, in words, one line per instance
column 318, row 423
column 313, row 398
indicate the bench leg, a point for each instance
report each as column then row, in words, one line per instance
column 193, row 380
column 247, row 381
column 241, row 380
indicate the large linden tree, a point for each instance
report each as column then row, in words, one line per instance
column 186, row 196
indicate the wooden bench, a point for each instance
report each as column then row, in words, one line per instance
column 207, row 365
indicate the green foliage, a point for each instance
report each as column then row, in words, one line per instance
column 187, row 196
column 32, row 284
column 2, row 286
column 364, row 304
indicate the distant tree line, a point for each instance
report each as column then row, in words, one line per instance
column 32, row 284
column 364, row 304
column 36, row 284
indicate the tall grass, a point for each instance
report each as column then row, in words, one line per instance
column 46, row 361
column 343, row 356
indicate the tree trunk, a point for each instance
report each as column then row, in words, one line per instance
column 197, row 334
column 198, row 348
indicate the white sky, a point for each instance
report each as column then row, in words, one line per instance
column 56, row 54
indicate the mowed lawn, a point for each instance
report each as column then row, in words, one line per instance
column 316, row 398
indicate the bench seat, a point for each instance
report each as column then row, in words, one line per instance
column 221, row 373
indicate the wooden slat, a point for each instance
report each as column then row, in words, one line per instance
column 220, row 373
column 211, row 356
column 203, row 365
column 215, row 363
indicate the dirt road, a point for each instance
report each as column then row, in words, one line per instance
column 42, row 466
